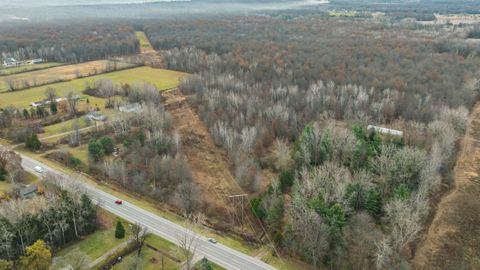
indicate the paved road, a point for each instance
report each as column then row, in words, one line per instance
column 218, row 253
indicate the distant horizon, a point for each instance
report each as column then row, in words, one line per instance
column 22, row 3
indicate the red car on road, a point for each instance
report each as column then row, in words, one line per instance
column 118, row 202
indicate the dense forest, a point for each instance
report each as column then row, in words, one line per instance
column 296, row 96
column 67, row 42
column 368, row 54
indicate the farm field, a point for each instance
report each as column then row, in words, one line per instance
column 162, row 79
column 59, row 73
column 145, row 46
column 14, row 70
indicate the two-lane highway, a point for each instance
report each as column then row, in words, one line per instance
column 218, row 253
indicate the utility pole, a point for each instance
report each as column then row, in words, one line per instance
column 240, row 198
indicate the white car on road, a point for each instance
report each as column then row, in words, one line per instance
column 39, row 169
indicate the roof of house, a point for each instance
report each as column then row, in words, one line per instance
column 9, row 60
column 96, row 116
column 134, row 107
column 386, row 131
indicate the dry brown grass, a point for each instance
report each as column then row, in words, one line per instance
column 61, row 73
column 453, row 239
column 209, row 163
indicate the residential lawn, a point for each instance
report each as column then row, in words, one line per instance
column 161, row 78
column 13, row 70
column 97, row 243
column 150, row 260
column 145, row 45
column 63, row 127
column 6, row 187
column 165, row 245
column 80, row 152
column 67, row 126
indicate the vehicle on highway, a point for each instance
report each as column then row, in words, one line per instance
column 39, row 169
column 119, row 202
column 212, row 240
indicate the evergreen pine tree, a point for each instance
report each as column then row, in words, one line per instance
column 119, row 230
column 205, row 264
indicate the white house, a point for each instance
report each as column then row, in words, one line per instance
column 46, row 102
column 10, row 62
column 96, row 116
column 385, row 131
column 130, row 108
column 34, row 61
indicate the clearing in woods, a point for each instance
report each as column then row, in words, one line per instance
column 161, row 78
column 145, row 46
column 453, row 239
column 208, row 162
column 61, row 73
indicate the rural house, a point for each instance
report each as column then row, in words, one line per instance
column 96, row 116
column 10, row 62
column 28, row 191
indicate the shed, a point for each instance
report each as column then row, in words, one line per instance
column 28, row 191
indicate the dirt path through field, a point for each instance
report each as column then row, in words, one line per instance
column 453, row 239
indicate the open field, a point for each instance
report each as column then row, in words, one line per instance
column 145, row 46
column 61, row 73
column 161, row 78
column 13, row 70
column 453, row 239
column 335, row 13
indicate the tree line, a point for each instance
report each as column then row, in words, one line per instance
column 68, row 42
column 64, row 214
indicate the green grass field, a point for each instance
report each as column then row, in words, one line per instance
column 6, row 187
column 145, row 45
column 64, row 127
column 161, row 78
column 13, row 70
column 152, row 260
column 335, row 13
column 80, row 152
column 95, row 244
